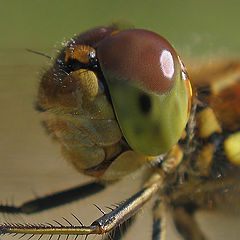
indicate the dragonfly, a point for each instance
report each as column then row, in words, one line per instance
column 116, row 99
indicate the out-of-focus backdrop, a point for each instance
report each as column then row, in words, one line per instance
column 30, row 164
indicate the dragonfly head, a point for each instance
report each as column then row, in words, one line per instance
column 149, row 88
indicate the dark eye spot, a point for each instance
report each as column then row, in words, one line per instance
column 145, row 103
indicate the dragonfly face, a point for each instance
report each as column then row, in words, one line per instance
column 116, row 99
column 121, row 92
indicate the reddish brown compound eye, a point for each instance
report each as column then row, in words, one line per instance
column 142, row 57
column 149, row 89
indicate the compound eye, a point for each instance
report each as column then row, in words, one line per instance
column 149, row 89
column 141, row 57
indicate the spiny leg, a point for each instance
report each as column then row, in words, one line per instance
column 119, row 232
column 159, row 219
column 55, row 199
column 186, row 224
column 103, row 225
column 109, row 221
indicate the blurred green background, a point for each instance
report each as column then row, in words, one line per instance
column 199, row 25
column 29, row 161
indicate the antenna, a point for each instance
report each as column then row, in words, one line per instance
column 39, row 53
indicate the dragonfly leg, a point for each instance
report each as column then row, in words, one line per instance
column 119, row 232
column 159, row 221
column 186, row 224
column 102, row 225
column 54, row 199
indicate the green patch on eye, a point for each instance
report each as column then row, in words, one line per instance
column 153, row 127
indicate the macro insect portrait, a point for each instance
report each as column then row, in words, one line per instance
column 118, row 99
